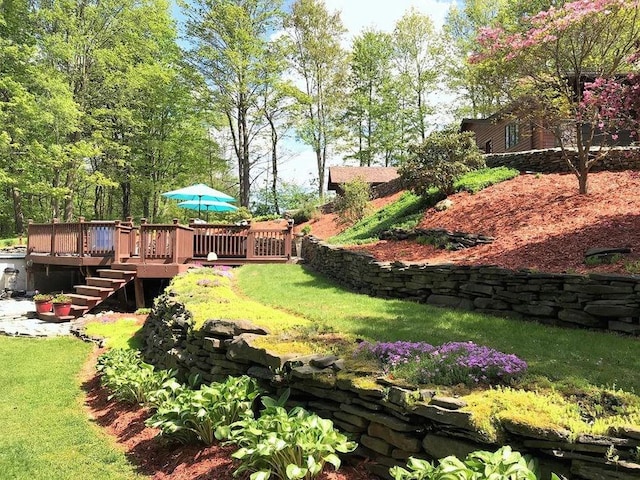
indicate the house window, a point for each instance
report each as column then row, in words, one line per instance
column 488, row 147
column 511, row 135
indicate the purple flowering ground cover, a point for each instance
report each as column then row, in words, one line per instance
column 452, row 363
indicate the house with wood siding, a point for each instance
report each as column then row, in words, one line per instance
column 502, row 133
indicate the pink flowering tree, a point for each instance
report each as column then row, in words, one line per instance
column 570, row 69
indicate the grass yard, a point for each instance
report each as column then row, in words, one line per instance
column 45, row 432
column 561, row 355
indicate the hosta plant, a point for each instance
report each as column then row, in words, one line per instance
column 504, row 464
column 286, row 445
column 128, row 378
column 194, row 415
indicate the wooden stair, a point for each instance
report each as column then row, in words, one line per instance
column 94, row 292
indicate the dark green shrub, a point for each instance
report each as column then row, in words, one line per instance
column 353, row 204
column 439, row 161
column 307, row 211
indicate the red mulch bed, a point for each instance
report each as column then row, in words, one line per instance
column 326, row 226
column 163, row 461
column 539, row 222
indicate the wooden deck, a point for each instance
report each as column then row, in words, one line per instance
column 154, row 250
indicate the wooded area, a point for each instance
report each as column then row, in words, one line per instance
column 104, row 105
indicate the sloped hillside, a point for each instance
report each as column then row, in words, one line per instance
column 539, row 222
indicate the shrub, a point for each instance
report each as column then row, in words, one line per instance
column 504, row 464
column 307, row 211
column 353, row 204
column 439, row 161
column 449, row 364
column 286, row 445
column 128, row 378
column 196, row 414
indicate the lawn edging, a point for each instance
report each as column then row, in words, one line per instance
column 596, row 301
column 390, row 421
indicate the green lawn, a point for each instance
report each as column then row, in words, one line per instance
column 45, row 432
column 601, row 359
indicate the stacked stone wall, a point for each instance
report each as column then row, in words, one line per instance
column 552, row 161
column 390, row 422
column 597, row 301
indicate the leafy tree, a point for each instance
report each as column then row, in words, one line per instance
column 553, row 56
column 418, row 58
column 371, row 105
column 440, row 160
column 278, row 98
column 230, row 46
column 320, row 60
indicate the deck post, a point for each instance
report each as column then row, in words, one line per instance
column 139, row 290
column 117, row 254
column 288, row 239
column 81, row 236
column 175, row 242
column 143, row 240
column 53, row 236
column 251, row 245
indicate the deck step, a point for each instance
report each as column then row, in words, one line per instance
column 91, row 290
column 113, row 283
column 52, row 318
column 88, row 300
column 122, row 274
column 123, row 266
column 79, row 310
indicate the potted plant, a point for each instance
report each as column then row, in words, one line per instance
column 43, row 302
column 61, row 305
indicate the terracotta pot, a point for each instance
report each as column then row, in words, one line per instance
column 43, row 306
column 61, row 309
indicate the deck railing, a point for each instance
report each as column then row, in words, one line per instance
column 95, row 238
column 153, row 243
column 169, row 242
column 231, row 241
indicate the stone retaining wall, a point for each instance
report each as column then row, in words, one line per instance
column 438, row 237
column 606, row 302
column 551, row 161
column 390, row 422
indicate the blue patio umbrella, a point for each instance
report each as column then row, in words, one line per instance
column 208, row 205
column 199, row 192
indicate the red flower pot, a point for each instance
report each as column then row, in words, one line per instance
column 43, row 306
column 62, row 309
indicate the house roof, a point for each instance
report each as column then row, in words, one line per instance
column 372, row 175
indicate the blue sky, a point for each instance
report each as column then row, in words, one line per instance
column 299, row 165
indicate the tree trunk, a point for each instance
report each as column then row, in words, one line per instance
column 126, row 199
column 320, row 162
column 274, row 165
column 18, row 214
